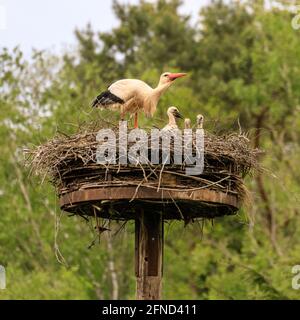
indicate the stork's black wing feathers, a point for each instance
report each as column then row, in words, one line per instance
column 106, row 98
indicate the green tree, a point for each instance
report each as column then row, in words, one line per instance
column 242, row 60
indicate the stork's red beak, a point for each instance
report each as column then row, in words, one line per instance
column 173, row 76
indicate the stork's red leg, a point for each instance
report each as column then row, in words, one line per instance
column 136, row 120
column 122, row 114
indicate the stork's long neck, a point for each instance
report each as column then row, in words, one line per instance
column 200, row 124
column 151, row 100
column 160, row 89
column 172, row 119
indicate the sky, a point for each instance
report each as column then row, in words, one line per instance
column 50, row 24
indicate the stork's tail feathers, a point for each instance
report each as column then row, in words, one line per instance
column 106, row 99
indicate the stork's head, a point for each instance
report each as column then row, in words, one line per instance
column 200, row 120
column 168, row 77
column 187, row 123
column 174, row 112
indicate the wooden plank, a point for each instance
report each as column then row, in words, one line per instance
column 126, row 193
column 136, row 244
column 149, row 256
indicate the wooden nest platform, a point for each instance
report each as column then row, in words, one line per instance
column 147, row 193
column 125, row 199
column 121, row 192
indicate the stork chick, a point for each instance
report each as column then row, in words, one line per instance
column 173, row 114
column 187, row 123
column 200, row 120
column 132, row 95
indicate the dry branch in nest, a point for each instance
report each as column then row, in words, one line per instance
column 70, row 163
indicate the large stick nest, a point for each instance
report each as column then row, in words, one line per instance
column 70, row 164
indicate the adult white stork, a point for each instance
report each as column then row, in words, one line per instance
column 132, row 95
column 200, row 120
column 173, row 114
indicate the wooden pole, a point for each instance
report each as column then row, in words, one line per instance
column 148, row 256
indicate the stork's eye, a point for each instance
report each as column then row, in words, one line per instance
column 165, row 75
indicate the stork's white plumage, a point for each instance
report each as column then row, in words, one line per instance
column 173, row 114
column 187, row 123
column 200, row 120
column 132, row 95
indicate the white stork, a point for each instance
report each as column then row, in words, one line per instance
column 200, row 120
column 187, row 123
column 132, row 95
column 173, row 114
